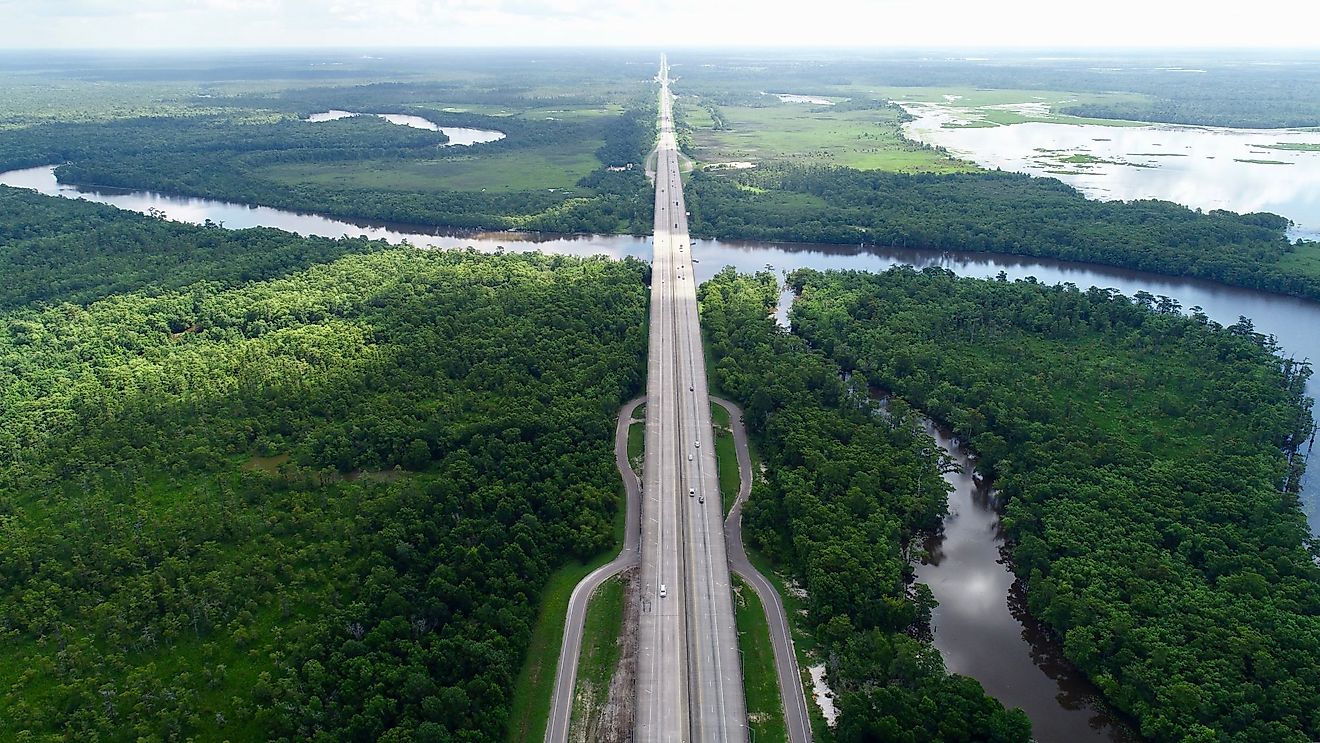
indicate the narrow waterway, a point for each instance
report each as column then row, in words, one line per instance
column 981, row 634
column 976, row 629
column 459, row 136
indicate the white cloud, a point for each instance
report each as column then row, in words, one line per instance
column 869, row 23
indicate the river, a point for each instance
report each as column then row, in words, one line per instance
column 975, row 629
column 982, row 635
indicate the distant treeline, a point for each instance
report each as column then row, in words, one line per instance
column 1250, row 89
column 218, row 156
column 54, row 251
column 1003, row 213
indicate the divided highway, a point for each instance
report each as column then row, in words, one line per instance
column 689, row 676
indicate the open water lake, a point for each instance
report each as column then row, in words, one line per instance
column 460, row 136
column 1203, row 167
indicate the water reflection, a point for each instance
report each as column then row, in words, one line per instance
column 458, row 135
column 982, row 630
column 1200, row 167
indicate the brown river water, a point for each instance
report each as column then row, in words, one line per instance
column 976, row 628
column 980, row 631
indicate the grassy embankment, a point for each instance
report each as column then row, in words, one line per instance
column 531, row 693
column 1291, row 146
column 765, row 710
column 804, row 643
column 600, row 648
column 726, row 457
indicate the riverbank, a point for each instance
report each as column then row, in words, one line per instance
column 1290, row 320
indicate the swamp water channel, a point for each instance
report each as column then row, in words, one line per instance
column 976, row 630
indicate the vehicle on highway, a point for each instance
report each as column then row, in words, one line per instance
column 689, row 456
column 702, row 499
column 698, row 443
column 692, row 492
column 662, row 590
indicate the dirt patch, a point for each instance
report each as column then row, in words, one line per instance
column 613, row 721
column 266, row 464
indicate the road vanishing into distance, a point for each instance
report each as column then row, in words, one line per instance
column 689, row 678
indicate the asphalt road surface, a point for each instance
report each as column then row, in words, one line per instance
column 689, row 676
column 796, row 717
column 561, row 704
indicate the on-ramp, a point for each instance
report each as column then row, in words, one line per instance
column 796, row 717
column 561, row 701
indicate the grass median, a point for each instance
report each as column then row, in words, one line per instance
column 726, row 456
column 600, row 650
column 765, row 711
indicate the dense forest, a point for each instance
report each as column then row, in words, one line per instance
column 222, row 156
column 1149, row 463
column 315, row 497
column 846, row 493
column 997, row 212
column 60, row 250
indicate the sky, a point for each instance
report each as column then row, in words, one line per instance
column 93, row 24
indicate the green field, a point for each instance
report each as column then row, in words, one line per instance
column 765, row 711
column 867, row 139
column 551, row 112
column 522, row 170
column 1000, row 107
column 600, row 649
column 726, row 457
column 1303, row 260
column 870, row 138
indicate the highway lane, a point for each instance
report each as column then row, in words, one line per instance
column 689, row 678
column 796, row 717
column 561, row 703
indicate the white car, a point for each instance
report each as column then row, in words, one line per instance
column 698, row 443
column 662, row 590
column 692, row 492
